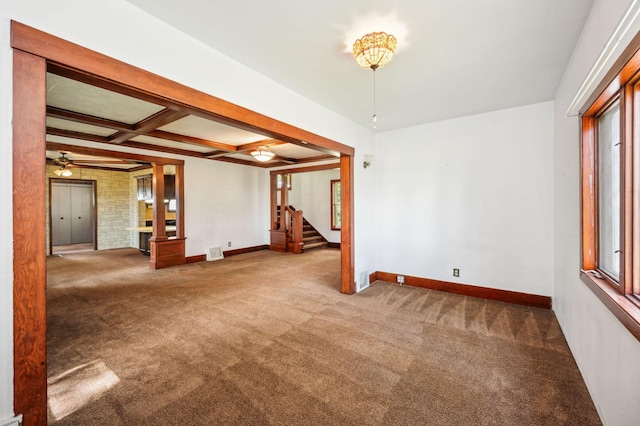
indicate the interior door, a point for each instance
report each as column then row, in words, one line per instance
column 72, row 210
column 60, row 214
column 81, row 214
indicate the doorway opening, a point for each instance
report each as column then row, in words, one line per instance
column 72, row 216
column 33, row 52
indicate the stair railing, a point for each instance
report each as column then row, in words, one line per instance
column 294, row 224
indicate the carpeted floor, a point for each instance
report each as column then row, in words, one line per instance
column 266, row 338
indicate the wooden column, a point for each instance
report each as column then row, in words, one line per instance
column 347, row 251
column 284, row 202
column 278, row 237
column 180, row 201
column 159, row 227
column 273, row 192
column 29, row 263
column 165, row 251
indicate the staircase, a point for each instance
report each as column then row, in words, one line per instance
column 311, row 238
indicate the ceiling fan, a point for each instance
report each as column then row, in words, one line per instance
column 64, row 164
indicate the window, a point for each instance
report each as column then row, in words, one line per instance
column 611, row 195
column 336, row 209
column 279, row 182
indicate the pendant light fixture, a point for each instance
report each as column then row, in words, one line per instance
column 374, row 51
column 262, row 154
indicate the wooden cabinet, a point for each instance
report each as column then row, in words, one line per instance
column 145, row 187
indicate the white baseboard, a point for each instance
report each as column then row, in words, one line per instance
column 14, row 421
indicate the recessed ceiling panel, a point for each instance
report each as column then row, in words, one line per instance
column 294, row 151
column 210, row 130
column 58, row 123
column 91, row 100
column 149, row 140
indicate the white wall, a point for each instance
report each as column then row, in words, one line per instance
column 143, row 41
column 225, row 203
column 473, row 193
column 606, row 353
column 311, row 193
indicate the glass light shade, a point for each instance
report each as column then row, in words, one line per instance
column 374, row 50
column 262, row 154
column 63, row 171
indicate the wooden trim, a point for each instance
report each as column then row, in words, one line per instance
column 175, row 95
column 331, row 200
column 179, row 194
column 347, row 247
column 196, row 258
column 55, row 146
column 235, row 252
column 506, row 296
column 333, row 245
column 620, row 305
column 615, row 77
column 306, row 169
column 588, row 194
column 29, row 91
column 29, row 235
column 273, row 202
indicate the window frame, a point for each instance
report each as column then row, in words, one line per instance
column 621, row 297
column 335, row 203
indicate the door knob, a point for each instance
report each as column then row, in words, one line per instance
column 61, row 218
column 79, row 217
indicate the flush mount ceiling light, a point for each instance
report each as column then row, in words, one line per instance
column 262, row 154
column 374, row 51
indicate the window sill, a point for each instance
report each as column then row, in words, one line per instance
column 627, row 312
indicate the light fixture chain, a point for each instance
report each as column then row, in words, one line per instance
column 375, row 117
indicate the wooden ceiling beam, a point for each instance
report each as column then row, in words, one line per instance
column 259, row 123
column 125, row 127
column 159, row 119
column 161, row 134
column 77, row 135
column 87, row 119
column 56, row 146
column 255, row 145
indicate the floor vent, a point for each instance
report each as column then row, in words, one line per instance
column 214, row 253
column 363, row 280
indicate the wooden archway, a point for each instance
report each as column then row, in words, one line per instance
column 33, row 51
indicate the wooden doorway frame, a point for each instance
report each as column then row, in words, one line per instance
column 33, row 50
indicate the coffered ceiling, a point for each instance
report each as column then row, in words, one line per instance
column 80, row 109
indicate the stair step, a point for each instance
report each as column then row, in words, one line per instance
column 315, row 245
column 312, row 239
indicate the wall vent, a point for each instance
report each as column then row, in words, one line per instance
column 362, row 280
column 214, row 253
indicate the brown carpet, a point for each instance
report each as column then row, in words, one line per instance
column 266, row 338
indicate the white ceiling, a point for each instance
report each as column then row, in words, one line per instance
column 454, row 57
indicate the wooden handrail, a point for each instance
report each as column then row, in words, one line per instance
column 294, row 228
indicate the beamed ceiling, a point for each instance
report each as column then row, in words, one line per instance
column 81, row 108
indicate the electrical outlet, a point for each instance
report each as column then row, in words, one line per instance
column 456, row 272
column 400, row 279
column 229, row 244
